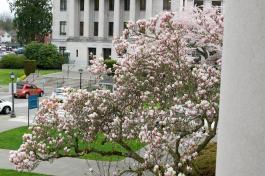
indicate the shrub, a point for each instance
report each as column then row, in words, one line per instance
column 46, row 55
column 12, row 61
column 110, row 64
column 206, row 161
column 29, row 67
column 32, row 50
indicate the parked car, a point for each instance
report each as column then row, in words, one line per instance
column 20, row 50
column 59, row 94
column 25, row 90
column 5, row 106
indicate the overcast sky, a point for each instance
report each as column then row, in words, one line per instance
column 4, row 7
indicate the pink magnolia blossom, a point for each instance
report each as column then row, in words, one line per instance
column 163, row 99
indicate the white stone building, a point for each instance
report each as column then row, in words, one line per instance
column 88, row 26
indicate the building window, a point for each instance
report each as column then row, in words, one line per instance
column 217, row 3
column 198, row 3
column 96, row 5
column 166, row 4
column 110, row 28
column 111, row 5
column 126, row 5
column 81, row 28
column 62, row 50
column 95, row 28
column 91, row 53
column 76, row 53
column 82, row 5
column 63, row 5
column 62, row 27
column 106, row 53
column 142, row 5
column 125, row 25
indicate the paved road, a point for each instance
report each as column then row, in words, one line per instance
column 21, row 107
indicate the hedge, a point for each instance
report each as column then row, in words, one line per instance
column 29, row 67
column 12, row 61
column 110, row 64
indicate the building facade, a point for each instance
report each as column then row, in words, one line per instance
column 85, row 27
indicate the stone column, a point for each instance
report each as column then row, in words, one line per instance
column 87, row 18
column 181, row 5
column 101, row 19
column 55, row 21
column 223, row 7
column 175, row 5
column 117, row 20
column 149, row 9
column 208, row 3
column 189, row 4
column 133, row 10
column 241, row 133
column 72, row 18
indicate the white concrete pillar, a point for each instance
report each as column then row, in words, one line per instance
column 72, row 18
column 114, row 55
column 101, row 19
column 55, row 21
column 181, row 5
column 117, row 16
column 241, row 133
column 189, row 4
column 176, row 5
column 133, row 10
column 87, row 18
column 149, row 9
column 223, row 7
column 207, row 3
column 99, row 52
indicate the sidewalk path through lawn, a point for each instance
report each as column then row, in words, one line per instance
column 70, row 166
column 62, row 166
column 6, row 123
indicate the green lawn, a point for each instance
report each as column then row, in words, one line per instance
column 4, row 74
column 100, row 145
column 4, row 172
column 12, row 139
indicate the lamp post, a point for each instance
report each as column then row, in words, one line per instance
column 12, row 77
column 80, row 72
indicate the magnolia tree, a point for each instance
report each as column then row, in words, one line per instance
column 163, row 98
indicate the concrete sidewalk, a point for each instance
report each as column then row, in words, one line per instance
column 71, row 166
column 6, row 123
column 4, row 88
column 62, row 166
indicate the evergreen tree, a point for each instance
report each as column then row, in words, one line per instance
column 33, row 19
